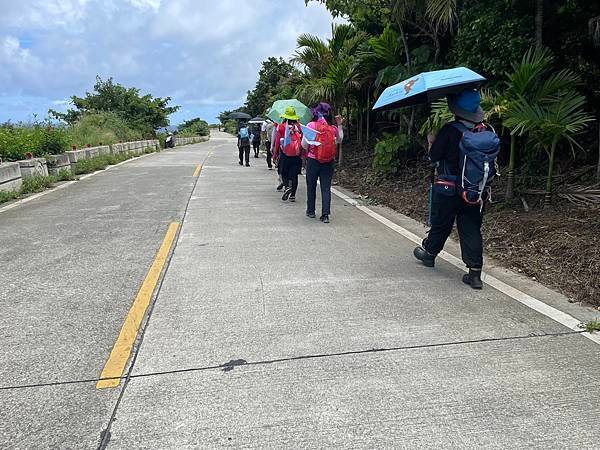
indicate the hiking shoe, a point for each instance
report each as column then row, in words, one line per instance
column 241, row 163
column 424, row 256
column 473, row 279
column 324, row 218
column 311, row 215
column 280, row 187
column 247, row 165
column 292, row 198
column 286, row 194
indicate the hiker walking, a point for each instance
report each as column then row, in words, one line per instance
column 320, row 157
column 465, row 153
column 244, row 144
column 287, row 149
column 256, row 141
column 267, row 131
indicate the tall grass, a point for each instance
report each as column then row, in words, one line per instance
column 101, row 129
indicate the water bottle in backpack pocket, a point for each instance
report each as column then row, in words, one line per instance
column 479, row 148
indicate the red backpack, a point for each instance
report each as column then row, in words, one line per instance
column 294, row 148
column 327, row 151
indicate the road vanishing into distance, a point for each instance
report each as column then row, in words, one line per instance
column 259, row 327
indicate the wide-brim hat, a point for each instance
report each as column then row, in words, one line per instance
column 467, row 106
column 290, row 114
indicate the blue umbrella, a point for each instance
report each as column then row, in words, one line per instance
column 427, row 87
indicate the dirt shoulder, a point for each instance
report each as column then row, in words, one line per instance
column 560, row 248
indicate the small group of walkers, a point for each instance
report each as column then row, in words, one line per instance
column 290, row 149
column 288, row 146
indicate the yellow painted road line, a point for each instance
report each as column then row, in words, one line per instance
column 115, row 366
column 198, row 170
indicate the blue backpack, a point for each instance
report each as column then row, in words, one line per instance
column 244, row 133
column 479, row 148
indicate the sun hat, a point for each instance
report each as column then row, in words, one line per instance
column 290, row 114
column 466, row 105
column 321, row 110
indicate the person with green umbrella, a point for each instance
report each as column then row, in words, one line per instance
column 287, row 148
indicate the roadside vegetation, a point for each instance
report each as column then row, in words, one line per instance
column 542, row 97
column 35, row 184
column 111, row 113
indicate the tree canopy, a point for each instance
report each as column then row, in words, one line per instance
column 143, row 113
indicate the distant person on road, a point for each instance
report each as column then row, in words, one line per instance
column 256, row 141
column 288, row 147
column 320, row 157
column 267, row 131
column 448, row 204
column 244, row 144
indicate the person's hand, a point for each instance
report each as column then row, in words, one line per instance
column 430, row 139
column 339, row 120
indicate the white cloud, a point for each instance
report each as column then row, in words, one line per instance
column 142, row 4
column 204, row 54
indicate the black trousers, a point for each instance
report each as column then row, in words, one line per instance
column 269, row 155
column 444, row 211
column 245, row 151
column 256, row 146
column 291, row 167
column 323, row 172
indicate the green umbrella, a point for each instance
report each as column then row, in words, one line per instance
column 278, row 109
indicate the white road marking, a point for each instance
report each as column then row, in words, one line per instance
column 537, row 305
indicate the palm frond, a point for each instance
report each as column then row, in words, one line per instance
column 443, row 14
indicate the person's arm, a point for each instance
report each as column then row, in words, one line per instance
column 339, row 121
column 439, row 147
column 276, row 144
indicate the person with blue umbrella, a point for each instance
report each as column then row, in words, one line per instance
column 464, row 153
column 451, row 199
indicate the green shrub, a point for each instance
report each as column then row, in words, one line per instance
column 194, row 127
column 101, row 128
column 100, row 163
column 7, row 196
column 387, row 151
column 36, row 183
column 65, row 175
column 39, row 139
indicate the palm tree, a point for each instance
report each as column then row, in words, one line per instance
column 548, row 124
column 330, row 68
column 532, row 79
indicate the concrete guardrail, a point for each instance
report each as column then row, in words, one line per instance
column 12, row 173
column 33, row 167
column 10, row 176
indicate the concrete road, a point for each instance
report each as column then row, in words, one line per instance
column 269, row 329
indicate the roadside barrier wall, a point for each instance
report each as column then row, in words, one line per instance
column 12, row 173
column 10, row 176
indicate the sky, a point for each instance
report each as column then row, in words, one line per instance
column 204, row 54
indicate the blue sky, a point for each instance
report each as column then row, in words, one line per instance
column 204, row 54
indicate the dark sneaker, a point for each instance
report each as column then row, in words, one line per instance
column 286, row 194
column 424, row 256
column 324, row 218
column 473, row 279
column 241, row 163
column 311, row 215
column 247, row 165
column 292, row 198
column 280, row 187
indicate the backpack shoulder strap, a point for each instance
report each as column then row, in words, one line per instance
column 460, row 126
